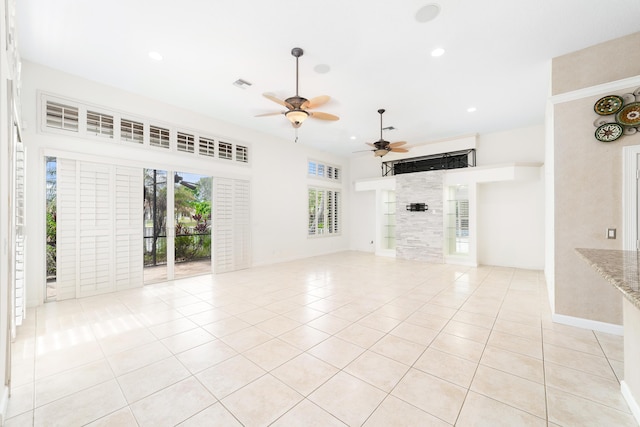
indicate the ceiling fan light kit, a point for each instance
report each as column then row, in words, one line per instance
column 381, row 147
column 296, row 117
column 297, row 106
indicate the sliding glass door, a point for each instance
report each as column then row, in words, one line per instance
column 192, row 224
column 177, row 225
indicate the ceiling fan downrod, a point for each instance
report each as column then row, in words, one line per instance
column 297, row 52
column 381, row 112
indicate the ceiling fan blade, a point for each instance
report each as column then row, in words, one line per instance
column 397, row 144
column 399, row 150
column 370, row 144
column 274, row 99
column 316, row 102
column 277, row 100
column 270, row 114
column 322, row 116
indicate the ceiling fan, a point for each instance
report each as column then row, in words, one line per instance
column 382, row 147
column 298, row 107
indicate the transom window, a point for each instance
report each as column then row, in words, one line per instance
column 316, row 169
column 60, row 115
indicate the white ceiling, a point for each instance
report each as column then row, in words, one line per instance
column 497, row 58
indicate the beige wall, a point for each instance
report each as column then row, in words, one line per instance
column 587, row 181
column 606, row 62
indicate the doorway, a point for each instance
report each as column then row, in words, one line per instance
column 177, row 225
column 192, row 224
column 631, row 198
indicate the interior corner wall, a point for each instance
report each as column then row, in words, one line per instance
column 362, row 229
column 587, row 182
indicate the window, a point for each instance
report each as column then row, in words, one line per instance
column 242, row 154
column 458, row 227
column 57, row 115
column 224, row 150
column 131, row 131
column 186, row 142
column 60, row 116
column 312, row 169
column 324, row 212
column 159, row 137
column 99, row 124
column 317, row 169
column 336, row 174
column 206, row 147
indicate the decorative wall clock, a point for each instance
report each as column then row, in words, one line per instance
column 618, row 116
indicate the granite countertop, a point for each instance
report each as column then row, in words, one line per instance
column 620, row 268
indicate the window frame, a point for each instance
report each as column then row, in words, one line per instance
column 330, row 220
column 323, row 170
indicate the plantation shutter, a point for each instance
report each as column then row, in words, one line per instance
column 16, row 240
column 231, row 216
column 99, row 228
column 61, row 116
column 19, row 253
column 241, row 225
column 95, row 223
column 66, row 229
column 128, row 227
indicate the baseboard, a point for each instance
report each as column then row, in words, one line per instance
column 628, row 397
column 4, row 403
column 608, row 328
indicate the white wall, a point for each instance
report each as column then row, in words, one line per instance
column 506, row 210
column 278, row 170
column 511, row 217
column 511, row 224
column 523, row 145
column 362, row 230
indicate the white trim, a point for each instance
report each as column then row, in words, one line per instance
column 4, row 403
column 631, row 401
column 594, row 325
column 596, row 90
column 629, row 197
column 549, row 203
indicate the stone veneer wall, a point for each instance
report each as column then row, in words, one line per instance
column 420, row 235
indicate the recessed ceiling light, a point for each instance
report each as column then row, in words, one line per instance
column 322, row 68
column 428, row 13
column 353, row 137
column 437, row 51
column 471, row 109
column 155, row 55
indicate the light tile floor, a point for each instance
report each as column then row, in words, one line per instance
column 343, row 339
